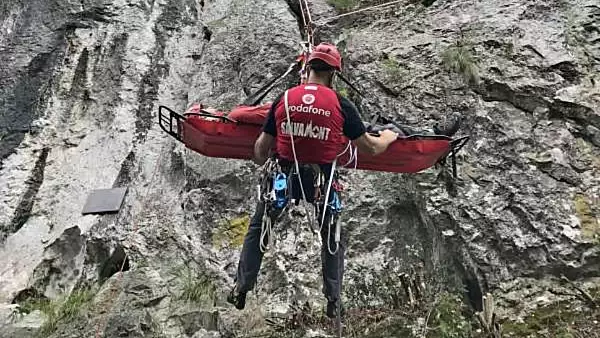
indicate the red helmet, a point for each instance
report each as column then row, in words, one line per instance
column 328, row 54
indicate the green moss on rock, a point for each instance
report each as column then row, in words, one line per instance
column 231, row 233
column 558, row 320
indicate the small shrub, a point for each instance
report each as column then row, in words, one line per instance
column 71, row 307
column 458, row 58
column 560, row 320
column 448, row 320
column 590, row 227
column 343, row 92
column 195, row 287
column 572, row 33
column 342, row 88
column 63, row 309
column 368, row 289
column 393, row 70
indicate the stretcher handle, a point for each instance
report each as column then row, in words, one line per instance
column 207, row 114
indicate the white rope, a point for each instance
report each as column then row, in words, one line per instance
column 349, row 146
column 265, row 230
column 352, row 154
column 308, row 24
column 325, row 204
column 266, row 222
column 330, row 183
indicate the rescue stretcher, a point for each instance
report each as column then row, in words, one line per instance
column 213, row 133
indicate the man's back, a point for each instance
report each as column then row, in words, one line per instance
column 314, row 119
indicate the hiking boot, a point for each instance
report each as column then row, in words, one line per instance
column 332, row 307
column 238, row 299
column 451, row 126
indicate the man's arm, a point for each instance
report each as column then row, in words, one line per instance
column 355, row 130
column 262, row 146
column 266, row 139
column 375, row 145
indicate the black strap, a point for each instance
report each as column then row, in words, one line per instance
column 377, row 116
column 253, row 100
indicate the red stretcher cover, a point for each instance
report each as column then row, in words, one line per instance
column 233, row 135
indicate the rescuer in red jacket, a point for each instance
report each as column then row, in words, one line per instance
column 316, row 118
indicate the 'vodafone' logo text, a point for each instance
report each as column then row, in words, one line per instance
column 310, row 109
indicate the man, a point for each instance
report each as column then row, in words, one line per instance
column 316, row 118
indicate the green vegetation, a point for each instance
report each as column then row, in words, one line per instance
column 573, row 36
column 158, row 329
column 64, row 309
column 378, row 305
column 459, row 59
column 448, row 319
column 196, row 287
column 554, row 318
column 590, row 228
column 576, row 44
column 393, row 70
column 509, row 50
column 367, row 289
column 343, row 91
column 231, row 232
column 343, row 5
column 564, row 319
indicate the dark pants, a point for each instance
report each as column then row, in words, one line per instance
column 251, row 256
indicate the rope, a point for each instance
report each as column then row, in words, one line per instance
column 290, row 132
column 266, row 221
column 308, row 29
column 128, row 239
column 265, row 230
column 353, row 154
column 387, row 4
column 308, row 24
column 325, row 205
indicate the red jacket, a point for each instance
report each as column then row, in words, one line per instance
column 316, row 122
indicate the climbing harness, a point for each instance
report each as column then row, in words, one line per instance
column 274, row 192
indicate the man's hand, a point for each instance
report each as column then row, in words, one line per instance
column 262, row 146
column 375, row 145
column 388, row 136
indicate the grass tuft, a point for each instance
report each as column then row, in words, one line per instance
column 459, row 59
column 393, row 70
column 195, row 287
column 64, row 309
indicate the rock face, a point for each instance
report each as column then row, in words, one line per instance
column 80, row 86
